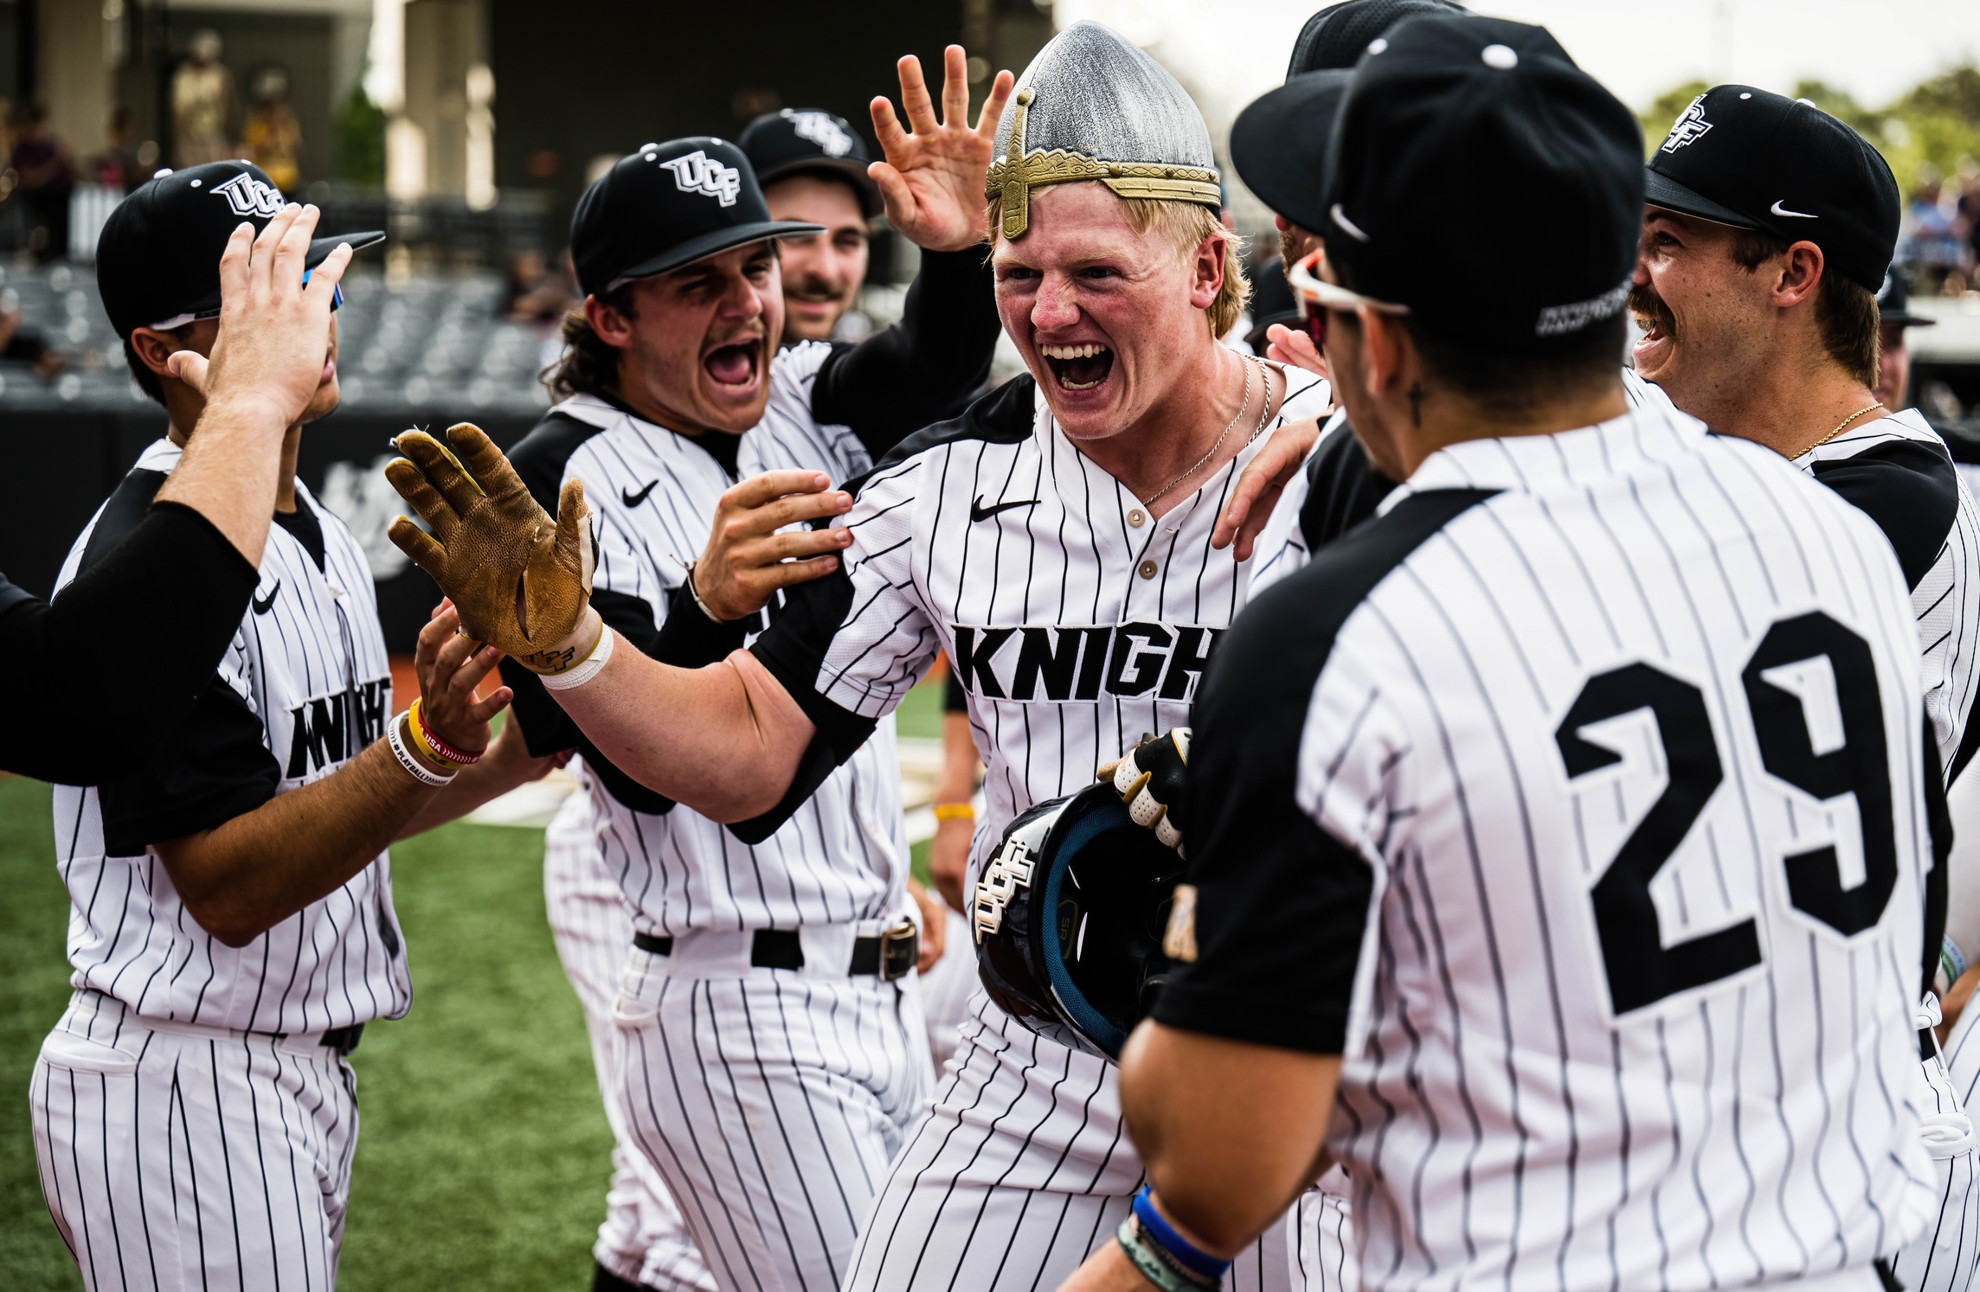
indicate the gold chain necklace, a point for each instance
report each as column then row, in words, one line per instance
column 1844, row 425
column 1221, row 435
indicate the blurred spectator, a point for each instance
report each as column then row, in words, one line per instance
column 117, row 166
column 202, row 104
column 271, row 134
column 1968, row 172
column 45, row 177
column 1894, row 319
column 533, row 294
column 1935, row 246
column 25, row 345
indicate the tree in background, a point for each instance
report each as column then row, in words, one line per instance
column 361, row 140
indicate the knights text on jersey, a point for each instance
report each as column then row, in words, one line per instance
column 843, row 857
column 1898, row 471
column 1075, row 620
column 304, row 687
column 1594, row 843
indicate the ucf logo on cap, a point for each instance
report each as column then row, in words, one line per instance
column 1689, row 128
column 821, row 129
column 250, row 196
column 699, row 173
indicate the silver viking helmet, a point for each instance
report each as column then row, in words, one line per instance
column 1092, row 106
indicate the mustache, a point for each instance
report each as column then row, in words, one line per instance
column 1645, row 303
column 813, row 288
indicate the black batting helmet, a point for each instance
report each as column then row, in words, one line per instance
column 1069, row 913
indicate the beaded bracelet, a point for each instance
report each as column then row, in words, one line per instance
column 1156, row 1265
column 429, row 741
column 395, row 737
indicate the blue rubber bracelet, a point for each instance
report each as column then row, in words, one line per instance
column 1179, row 1249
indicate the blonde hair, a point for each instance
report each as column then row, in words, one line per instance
column 1184, row 225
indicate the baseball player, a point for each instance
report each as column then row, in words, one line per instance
column 1770, row 230
column 812, row 167
column 1532, row 908
column 1060, row 542
column 231, row 923
column 786, row 943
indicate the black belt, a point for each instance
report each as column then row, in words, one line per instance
column 891, row 955
column 343, row 1039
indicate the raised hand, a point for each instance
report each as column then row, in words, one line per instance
column 274, row 332
column 747, row 560
column 932, row 180
column 519, row 580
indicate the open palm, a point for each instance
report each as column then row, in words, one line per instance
column 932, row 180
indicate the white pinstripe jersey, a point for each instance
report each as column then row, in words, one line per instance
column 1594, row 844
column 1075, row 621
column 305, row 685
column 1897, row 469
column 843, row 857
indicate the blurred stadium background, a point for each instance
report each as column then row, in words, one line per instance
column 467, row 129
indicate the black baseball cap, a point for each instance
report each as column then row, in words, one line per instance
column 668, row 205
column 1894, row 304
column 1480, row 178
column 1742, row 156
column 1279, row 144
column 158, row 257
column 1340, row 34
column 798, row 141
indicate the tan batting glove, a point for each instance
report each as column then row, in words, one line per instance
column 520, row 580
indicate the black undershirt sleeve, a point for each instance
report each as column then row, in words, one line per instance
column 922, row 369
column 1281, row 904
column 173, row 583
column 1911, row 491
column 1343, row 488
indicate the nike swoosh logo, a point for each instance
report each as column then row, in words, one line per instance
column 632, row 499
column 1778, row 209
column 262, row 605
column 977, row 511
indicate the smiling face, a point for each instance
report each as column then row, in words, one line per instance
column 822, row 271
column 1107, row 319
column 1704, row 315
column 695, row 355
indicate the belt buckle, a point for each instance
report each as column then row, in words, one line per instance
column 900, row 947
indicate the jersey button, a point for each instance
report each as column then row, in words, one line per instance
column 1148, row 569
column 1136, row 517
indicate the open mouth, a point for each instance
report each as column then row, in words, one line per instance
column 735, row 365
column 1078, row 367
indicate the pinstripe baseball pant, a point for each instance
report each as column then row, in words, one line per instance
column 642, row 1239
column 770, row 1100
column 192, row 1157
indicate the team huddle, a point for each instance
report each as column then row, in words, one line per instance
column 1462, row 803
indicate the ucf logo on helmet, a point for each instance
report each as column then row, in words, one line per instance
column 699, row 173
column 250, row 196
column 1689, row 128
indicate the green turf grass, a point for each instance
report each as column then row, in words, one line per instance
column 484, row 1153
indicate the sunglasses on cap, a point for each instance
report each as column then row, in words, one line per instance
column 1315, row 296
column 180, row 320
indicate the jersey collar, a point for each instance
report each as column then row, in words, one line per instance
column 1524, row 462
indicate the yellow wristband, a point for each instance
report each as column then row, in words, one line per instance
column 954, row 812
column 421, row 745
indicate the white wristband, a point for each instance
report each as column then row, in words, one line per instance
column 410, row 761
column 582, row 673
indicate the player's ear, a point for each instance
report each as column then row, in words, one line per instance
column 153, row 348
column 1389, row 358
column 612, row 324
